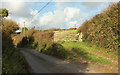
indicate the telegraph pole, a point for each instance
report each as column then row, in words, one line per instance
column 1, row 17
column 24, row 28
column 75, row 26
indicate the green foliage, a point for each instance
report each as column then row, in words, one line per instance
column 36, row 39
column 13, row 61
column 4, row 12
column 30, row 32
column 38, row 48
column 79, row 31
column 69, row 31
column 43, row 38
column 25, row 29
column 59, row 51
column 84, row 27
column 102, row 29
column 29, row 38
column 34, row 45
column 43, row 42
column 9, row 26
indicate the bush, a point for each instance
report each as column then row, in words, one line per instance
column 102, row 29
column 9, row 26
column 72, row 28
column 25, row 29
column 43, row 42
column 58, row 50
column 84, row 27
column 13, row 61
column 43, row 39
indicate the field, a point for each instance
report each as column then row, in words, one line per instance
column 67, row 35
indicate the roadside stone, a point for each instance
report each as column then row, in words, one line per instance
column 111, row 68
column 87, row 69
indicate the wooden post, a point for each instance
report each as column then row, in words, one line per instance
column 81, row 37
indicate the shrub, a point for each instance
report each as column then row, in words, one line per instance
column 43, row 38
column 43, row 42
column 58, row 50
column 84, row 27
column 9, row 26
column 72, row 28
column 13, row 61
column 102, row 29
column 4, row 12
column 25, row 29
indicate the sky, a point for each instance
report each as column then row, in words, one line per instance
column 56, row 14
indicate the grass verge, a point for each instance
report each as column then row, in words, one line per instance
column 86, row 51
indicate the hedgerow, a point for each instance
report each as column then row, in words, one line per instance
column 102, row 29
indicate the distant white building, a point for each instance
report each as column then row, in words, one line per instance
column 18, row 31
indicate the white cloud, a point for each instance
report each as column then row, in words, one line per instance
column 17, row 9
column 29, row 22
column 91, row 5
column 63, row 19
column 19, row 12
column 71, row 13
